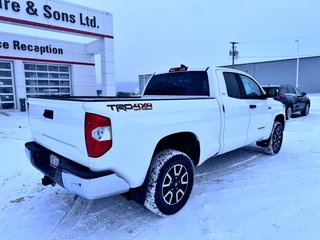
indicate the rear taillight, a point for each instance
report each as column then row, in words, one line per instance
column 97, row 134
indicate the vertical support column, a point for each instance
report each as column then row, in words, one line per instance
column 19, row 79
column 108, row 81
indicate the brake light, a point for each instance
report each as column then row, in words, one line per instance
column 97, row 134
column 182, row 68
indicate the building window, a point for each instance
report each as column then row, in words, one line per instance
column 47, row 80
column 7, row 97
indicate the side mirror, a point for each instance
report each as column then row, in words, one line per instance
column 271, row 94
column 303, row 94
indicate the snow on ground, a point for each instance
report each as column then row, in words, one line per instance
column 240, row 195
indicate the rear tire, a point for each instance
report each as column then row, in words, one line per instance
column 306, row 110
column 274, row 142
column 170, row 182
column 288, row 113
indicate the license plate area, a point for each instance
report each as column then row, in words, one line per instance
column 54, row 161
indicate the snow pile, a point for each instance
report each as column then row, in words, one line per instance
column 244, row 194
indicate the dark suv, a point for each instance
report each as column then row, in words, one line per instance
column 294, row 100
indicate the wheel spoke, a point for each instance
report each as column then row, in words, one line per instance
column 177, row 170
column 179, row 195
column 170, row 196
column 167, row 181
column 184, row 178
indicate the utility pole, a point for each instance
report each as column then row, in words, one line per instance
column 233, row 52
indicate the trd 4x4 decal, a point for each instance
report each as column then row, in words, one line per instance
column 133, row 107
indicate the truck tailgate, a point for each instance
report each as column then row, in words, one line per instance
column 58, row 124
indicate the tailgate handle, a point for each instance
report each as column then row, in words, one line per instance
column 48, row 114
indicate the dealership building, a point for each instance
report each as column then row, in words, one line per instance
column 36, row 66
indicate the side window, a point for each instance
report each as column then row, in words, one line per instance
column 291, row 90
column 283, row 90
column 233, row 89
column 298, row 92
column 251, row 88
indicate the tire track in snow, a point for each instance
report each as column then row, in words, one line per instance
column 121, row 219
column 70, row 219
column 112, row 215
column 214, row 170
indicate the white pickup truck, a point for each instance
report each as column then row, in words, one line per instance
column 148, row 146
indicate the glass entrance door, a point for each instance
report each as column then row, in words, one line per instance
column 47, row 80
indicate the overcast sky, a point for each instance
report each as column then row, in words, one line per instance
column 152, row 36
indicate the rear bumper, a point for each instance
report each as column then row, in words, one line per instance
column 74, row 177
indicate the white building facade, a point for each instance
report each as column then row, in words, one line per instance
column 34, row 66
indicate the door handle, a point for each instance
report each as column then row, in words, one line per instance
column 253, row 106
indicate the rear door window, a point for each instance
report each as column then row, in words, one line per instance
column 233, row 89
